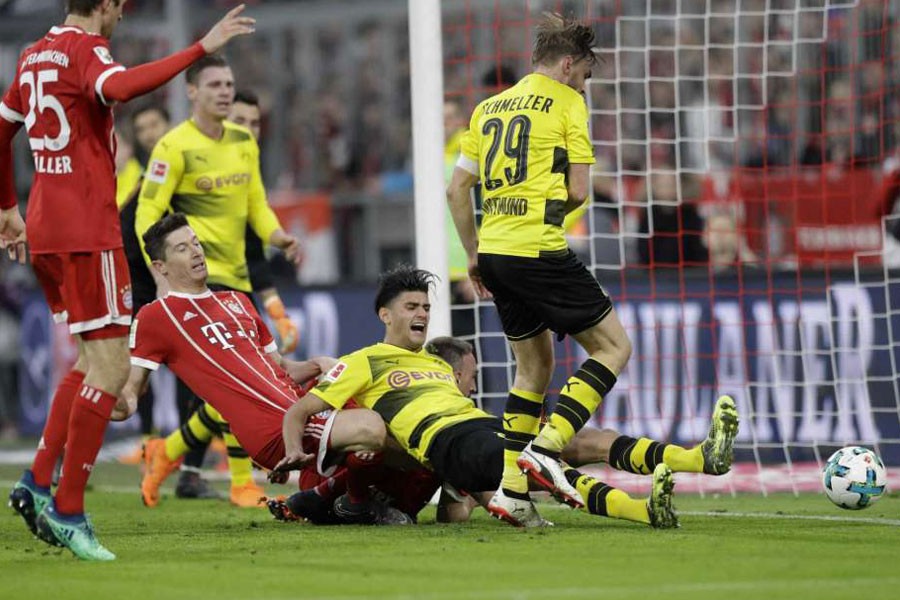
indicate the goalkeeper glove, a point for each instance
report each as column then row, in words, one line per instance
column 287, row 331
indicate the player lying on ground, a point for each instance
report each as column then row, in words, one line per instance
column 415, row 393
column 395, row 479
column 713, row 456
column 217, row 343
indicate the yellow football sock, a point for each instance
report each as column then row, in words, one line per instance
column 521, row 421
column 682, row 460
column 196, row 432
column 642, row 455
column 604, row 500
column 578, row 400
column 239, row 465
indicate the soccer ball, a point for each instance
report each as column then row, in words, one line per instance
column 854, row 478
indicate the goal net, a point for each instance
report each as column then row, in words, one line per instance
column 747, row 167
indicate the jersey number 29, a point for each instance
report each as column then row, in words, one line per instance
column 515, row 146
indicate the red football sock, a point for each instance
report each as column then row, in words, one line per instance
column 53, row 439
column 363, row 469
column 334, row 486
column 87, row 424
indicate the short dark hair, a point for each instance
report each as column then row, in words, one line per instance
column 558, row 36
column 210, row 60
column 150, row 107
column 451, row 349
column 246, row 97
column 155, row 237
column 84, row 8
column 402, row 278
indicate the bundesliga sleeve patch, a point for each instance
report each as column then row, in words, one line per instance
column 158, row 171
column 335, row 372
column 103, row 54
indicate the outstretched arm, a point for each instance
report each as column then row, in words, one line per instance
column 301, row 371
column 122, row 86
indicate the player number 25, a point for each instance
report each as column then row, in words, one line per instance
column 41, row 101
column 515, row 147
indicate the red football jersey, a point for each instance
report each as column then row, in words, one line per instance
column 56, row 93
column 216, row 343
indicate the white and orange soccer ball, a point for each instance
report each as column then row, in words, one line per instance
column 854, row 478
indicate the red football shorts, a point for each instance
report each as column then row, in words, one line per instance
column 91, row 291
column 316, row 440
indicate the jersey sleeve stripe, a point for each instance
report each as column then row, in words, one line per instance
column 272, row 347
column 467, row 164
column 10, row 115
column 144, row 363
column 98, row 87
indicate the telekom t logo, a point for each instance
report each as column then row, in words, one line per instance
column 217, row 333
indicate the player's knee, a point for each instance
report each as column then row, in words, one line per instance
column 624, row 349
column 533, row 376
column 371, row 432
column 110, row 374
column 614, row 353
column 81, row 365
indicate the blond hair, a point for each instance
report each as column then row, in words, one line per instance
column 557, row 36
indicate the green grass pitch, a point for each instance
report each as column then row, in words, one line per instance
column 728, row 548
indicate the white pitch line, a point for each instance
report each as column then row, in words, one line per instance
column 742, row 515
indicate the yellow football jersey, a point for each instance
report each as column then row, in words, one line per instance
column 218, row 186
column 414, row 392
column 127, row 181
column 523, row 140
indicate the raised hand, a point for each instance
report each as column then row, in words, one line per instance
column 231, row 25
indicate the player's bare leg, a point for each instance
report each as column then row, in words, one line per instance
column 589, row 446
column 64, row 520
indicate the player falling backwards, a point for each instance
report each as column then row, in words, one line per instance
column 64, row 86
column 530, row 148
column 208, row 168
column 218, row 345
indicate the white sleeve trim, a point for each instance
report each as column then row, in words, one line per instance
column 11, row 115
column 272, row 347
column 467, row 164
column 144, row 363
column 98, row 87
